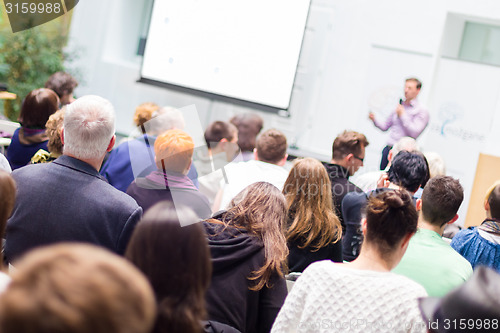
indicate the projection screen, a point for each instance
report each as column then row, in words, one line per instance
column 237, row 50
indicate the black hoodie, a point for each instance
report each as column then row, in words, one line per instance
column 235, row 255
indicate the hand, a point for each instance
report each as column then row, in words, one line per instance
column 400, row 110
column 383, row 181
column 371, row 115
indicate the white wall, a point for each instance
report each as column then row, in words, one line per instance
column 355, row 57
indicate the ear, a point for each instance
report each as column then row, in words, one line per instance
column 111, row 143
column 188, row 167
column 363, row 225
column 222, row 143
column 418, row 205
column 389, row 156
column 349, row 157
column 406, row 240
column 487, row 205
column 453, row 219
column 283, row 160
column 62, row 135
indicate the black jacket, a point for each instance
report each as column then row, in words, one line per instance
column 235, row 255
column 339, row 177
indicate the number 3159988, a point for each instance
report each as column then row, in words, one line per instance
column 41, row 8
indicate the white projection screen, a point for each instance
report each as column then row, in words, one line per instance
column 239, row 50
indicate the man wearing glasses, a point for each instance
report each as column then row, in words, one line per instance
column 348, row 153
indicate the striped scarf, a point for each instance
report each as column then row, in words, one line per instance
column 491, row 225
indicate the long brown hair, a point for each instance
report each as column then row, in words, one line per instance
column 312, row 220
column 261, row 209
column 8, row 195
column 176, row 261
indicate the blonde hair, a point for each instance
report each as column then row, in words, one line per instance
column 312, row 220
column 53, row 130
column 144, row 112
column 76, row 288
column 8, row 195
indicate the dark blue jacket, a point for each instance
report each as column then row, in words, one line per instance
column 67, row 200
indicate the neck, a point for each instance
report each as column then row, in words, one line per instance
column 422, row 224
column 94, row 162
column 371, row 259
column 342, row 163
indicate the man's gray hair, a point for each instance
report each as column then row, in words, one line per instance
column 437, row 167
column 405, row 143
column 164, row 119
column 89, row 125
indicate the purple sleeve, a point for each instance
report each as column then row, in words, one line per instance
column 384, row 126
column 414, row 124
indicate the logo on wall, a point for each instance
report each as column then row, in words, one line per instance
column 448, row 114
column 449, row 124
column 24, row 14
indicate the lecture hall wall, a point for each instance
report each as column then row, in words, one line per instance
column 355, row 57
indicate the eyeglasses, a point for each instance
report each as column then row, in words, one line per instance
column 359, row 158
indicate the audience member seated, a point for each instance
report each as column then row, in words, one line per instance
column 63, row 84
column 362, row 296
column 348, row 153
column 437, row 167
column 270, row 157
column 67, row 200
column 481, row 245
column 31, row 136
column 249, row 252
column 249, row 126
column 8, row 195
column 313, row 229
column 171, row 249
column 474, row 307
column 76, row 288
column 135, row 158
column 173, row 154
column 429, row 260
column 407, row 172
column 369, row 180
column 221, row 138
column 55, row 147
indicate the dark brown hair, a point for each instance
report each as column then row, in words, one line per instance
column 308, row 192
column 348, row 142
column 217, row 131
column 176, row 260
column 76, row 288
column 390, row 216
column 271, row 146
column 37, row 108
column 249, row 126
column 493, row 198
column 8, row 195
column 261, row 209
column 441, row 199
column 62, row 83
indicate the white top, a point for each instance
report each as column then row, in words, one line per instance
column 332, row 297
column 241, row 174
column 368, row 180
